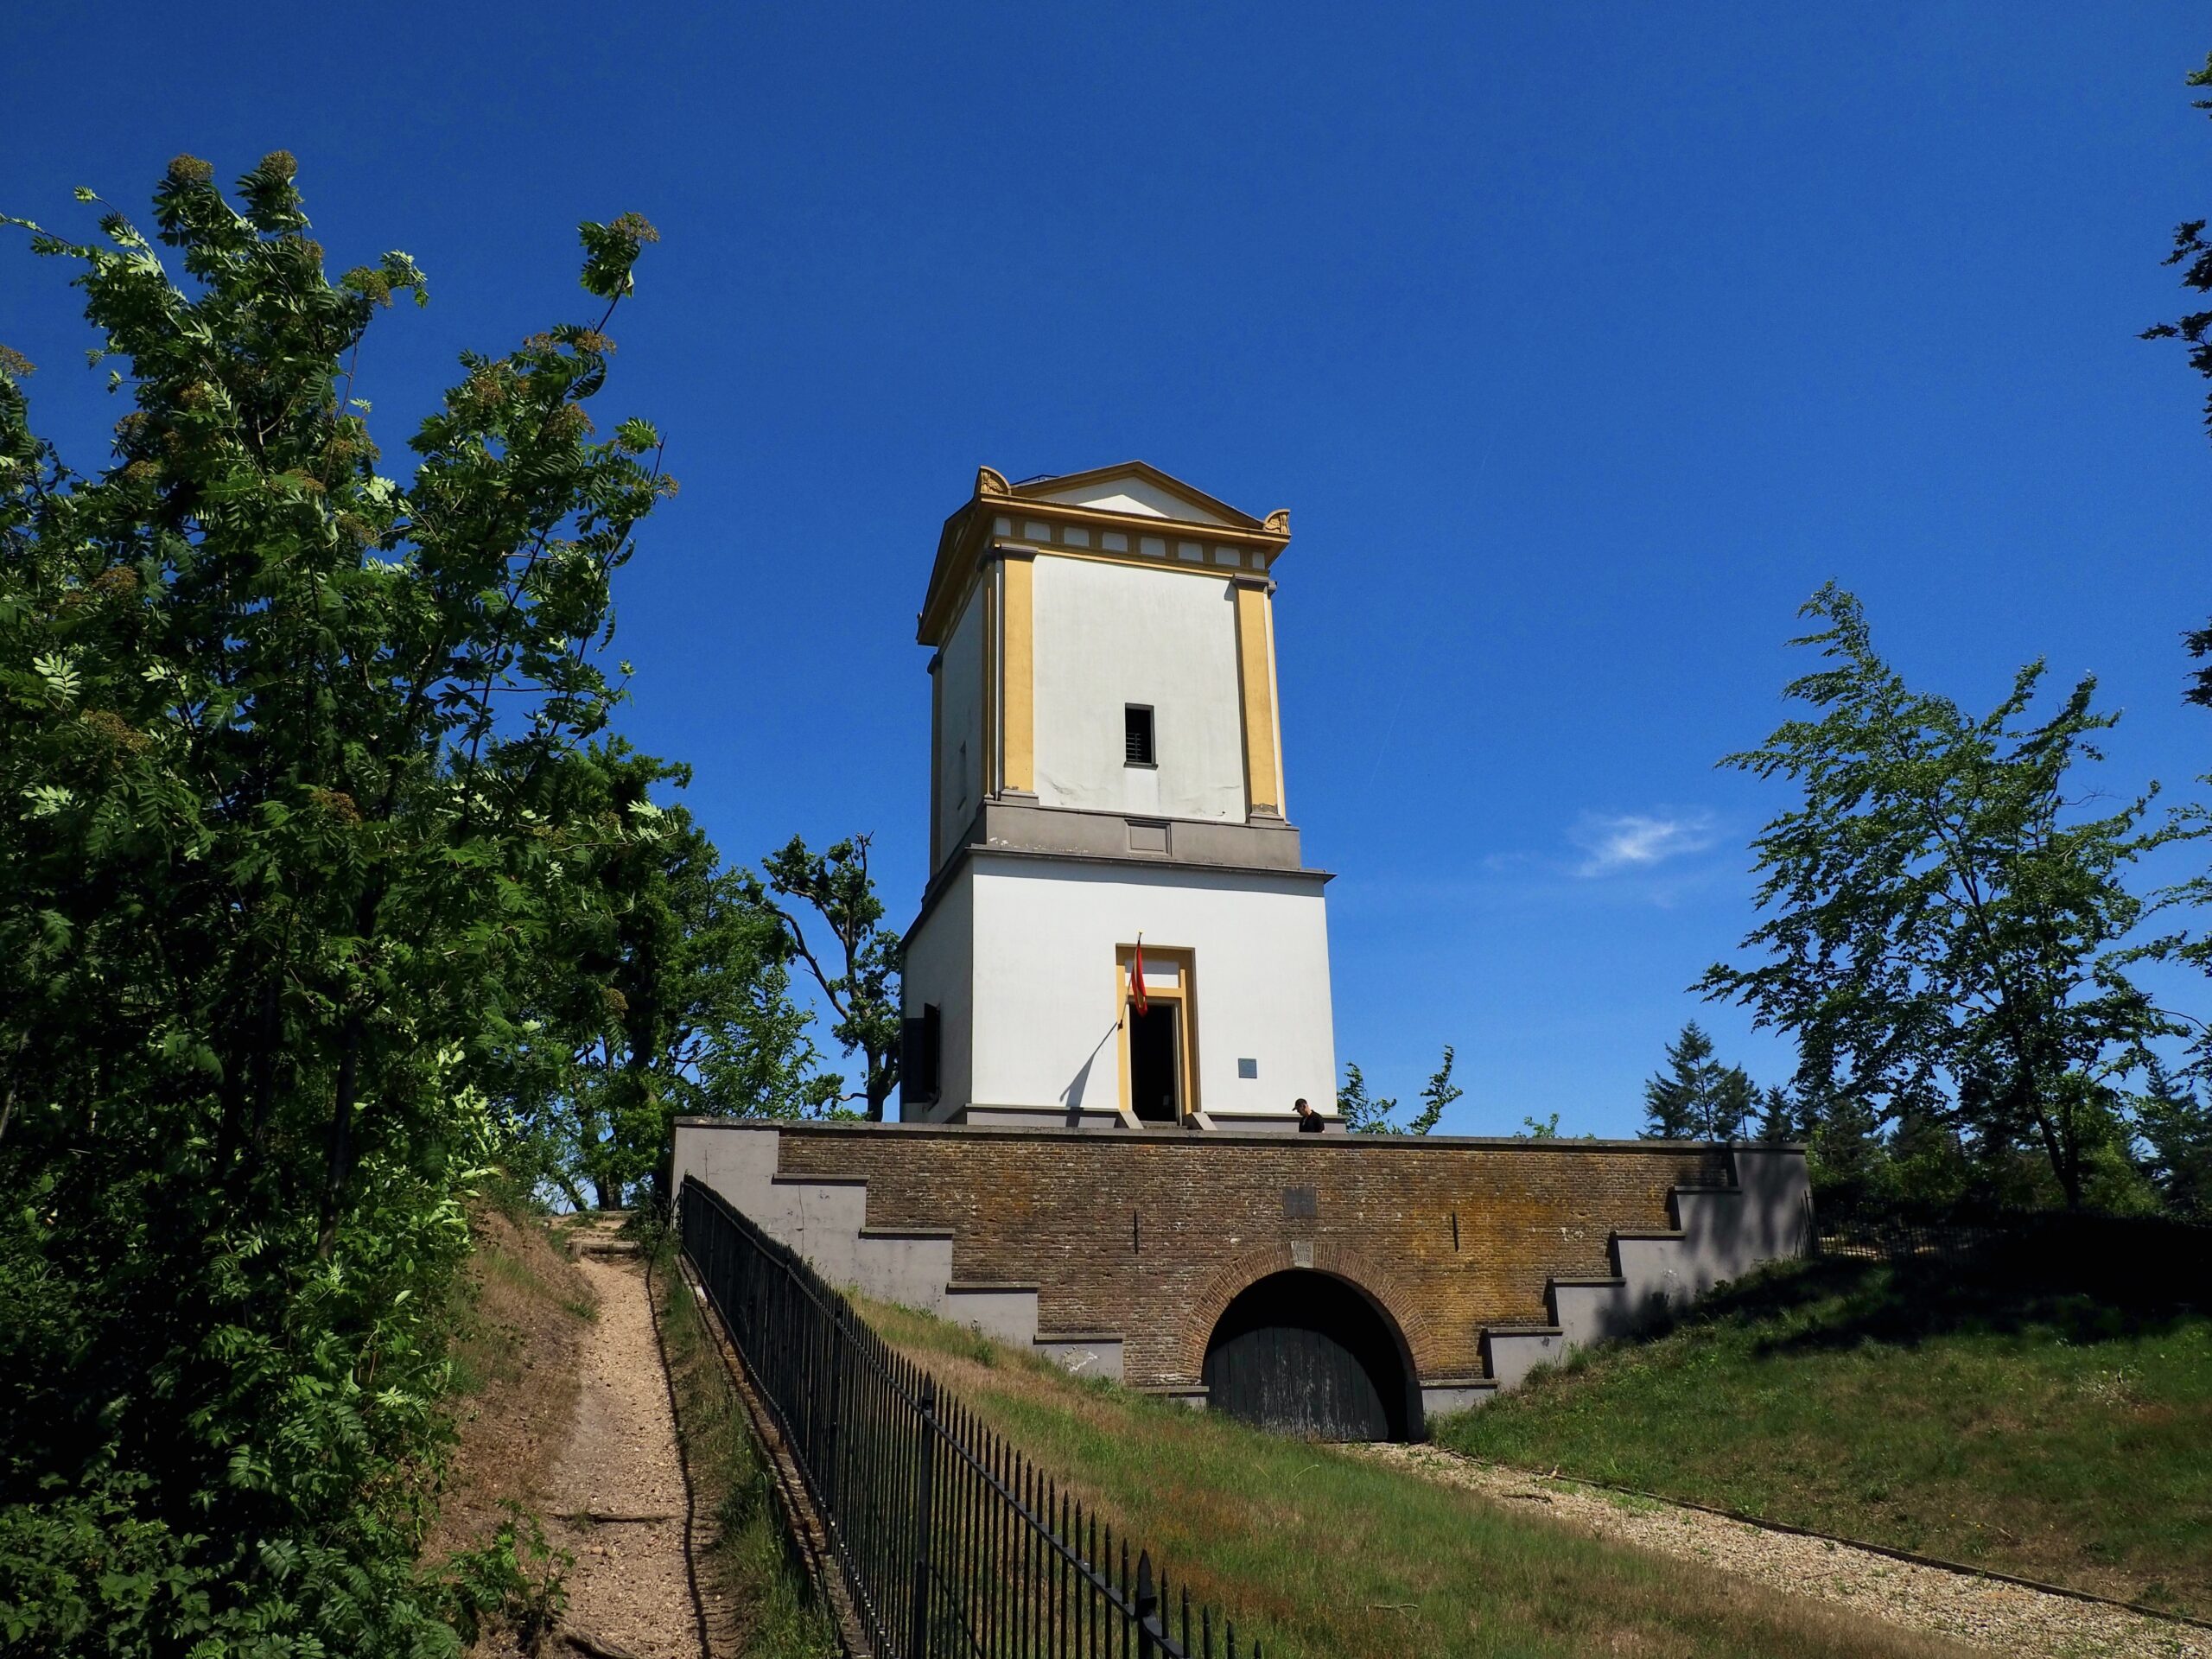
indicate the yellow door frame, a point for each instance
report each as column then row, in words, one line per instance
column 1182, row 994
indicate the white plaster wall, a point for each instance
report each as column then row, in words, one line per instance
column 1109, row 635
column 1134, row 494
column 1044, row 1011
column 940, row 968
column 960, row 715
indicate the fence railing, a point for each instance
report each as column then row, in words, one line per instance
column 1894, row 1238
column 2135, row 1258
column 952, row 1544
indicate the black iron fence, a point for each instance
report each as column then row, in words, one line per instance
column 953, row 1547
column 2132, row 1259
column 1900, row 1238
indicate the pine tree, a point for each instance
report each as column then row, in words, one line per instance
column 2176, row 1128
column 1674, row 1100
column 1727, row 1104
column 1697, row 1098
column 1778, row 1115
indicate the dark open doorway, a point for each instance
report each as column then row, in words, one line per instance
column 1306, row 1354
column 1156, row 1063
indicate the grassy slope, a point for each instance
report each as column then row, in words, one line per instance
column 766, row 1611
column 2043, row 1434
column 1323, row 1555
column 520, row 1313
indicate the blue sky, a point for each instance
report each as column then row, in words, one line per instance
column 1582, row 342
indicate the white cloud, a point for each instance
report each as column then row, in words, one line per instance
column 1636, row 841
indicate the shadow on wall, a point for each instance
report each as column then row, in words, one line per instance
column 1072, row 1096
column 2084, row 1279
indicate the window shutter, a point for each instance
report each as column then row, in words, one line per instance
column 917, row 1058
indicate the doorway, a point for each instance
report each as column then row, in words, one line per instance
column 1306, row 1354
column 1159, row 1046
column 1156, row 1062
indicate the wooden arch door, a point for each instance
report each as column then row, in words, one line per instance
column 1304, row 1353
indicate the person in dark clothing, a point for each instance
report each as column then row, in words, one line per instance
column 1309, row 1121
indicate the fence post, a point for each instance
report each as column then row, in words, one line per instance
column 918, row 1640
column 1149, row 1629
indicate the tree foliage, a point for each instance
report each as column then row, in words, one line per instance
column 1943, row 924
column 664, row 991
column 2193, row 329
column 861, row 983
column 288, row 745
column 1364, row 1113
column 1696, row 1098
column 2175, row 1123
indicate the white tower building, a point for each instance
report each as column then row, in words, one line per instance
column 1106, row 773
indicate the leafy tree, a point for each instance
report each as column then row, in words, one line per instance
column 1942, row 928
column 1364, row 1116
column 834, row 884
column 1438, row 1092
column 283, row 738
column 668, row 990
column 1697, row 1098
column 2194, row 254
column 1363, row 1113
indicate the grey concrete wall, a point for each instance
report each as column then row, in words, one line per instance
column 1722, row 1234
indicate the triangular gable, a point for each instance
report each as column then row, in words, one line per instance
column 1138, row 488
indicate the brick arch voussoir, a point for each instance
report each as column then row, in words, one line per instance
column 1247, row 1266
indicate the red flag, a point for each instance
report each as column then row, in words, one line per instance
column 1137, row 978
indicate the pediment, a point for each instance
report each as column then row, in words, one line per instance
column 1139, row 489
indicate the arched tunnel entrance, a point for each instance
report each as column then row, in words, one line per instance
column 1304, row 1353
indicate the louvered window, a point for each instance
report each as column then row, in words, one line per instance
column 1136, row 735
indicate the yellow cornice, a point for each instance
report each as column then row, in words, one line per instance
column 1246, row 534
column 1036, row 488
column 966, row 530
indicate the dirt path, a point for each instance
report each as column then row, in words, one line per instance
column 631, row 1591
column 2006, row 1616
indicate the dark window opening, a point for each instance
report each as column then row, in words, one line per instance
column 917, row 1058
column 1305, row 1354
column 1136, row 735
column 1156, row 1064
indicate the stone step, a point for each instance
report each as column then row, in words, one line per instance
column 1439, row 1395
column 1085, row 1353
column 1008, row 1311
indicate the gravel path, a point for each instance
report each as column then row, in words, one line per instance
column 2006, row 1616
column 631, row 1590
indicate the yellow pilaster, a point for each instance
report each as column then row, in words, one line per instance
column 1255, row 672
column 1018, row 627
column 989, row 765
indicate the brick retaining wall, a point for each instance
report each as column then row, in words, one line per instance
column 1148, row 1236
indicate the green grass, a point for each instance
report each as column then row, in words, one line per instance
column 1323, row 1554
column 506, row 1298
column 2052, row 1434
column 767, row 1610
